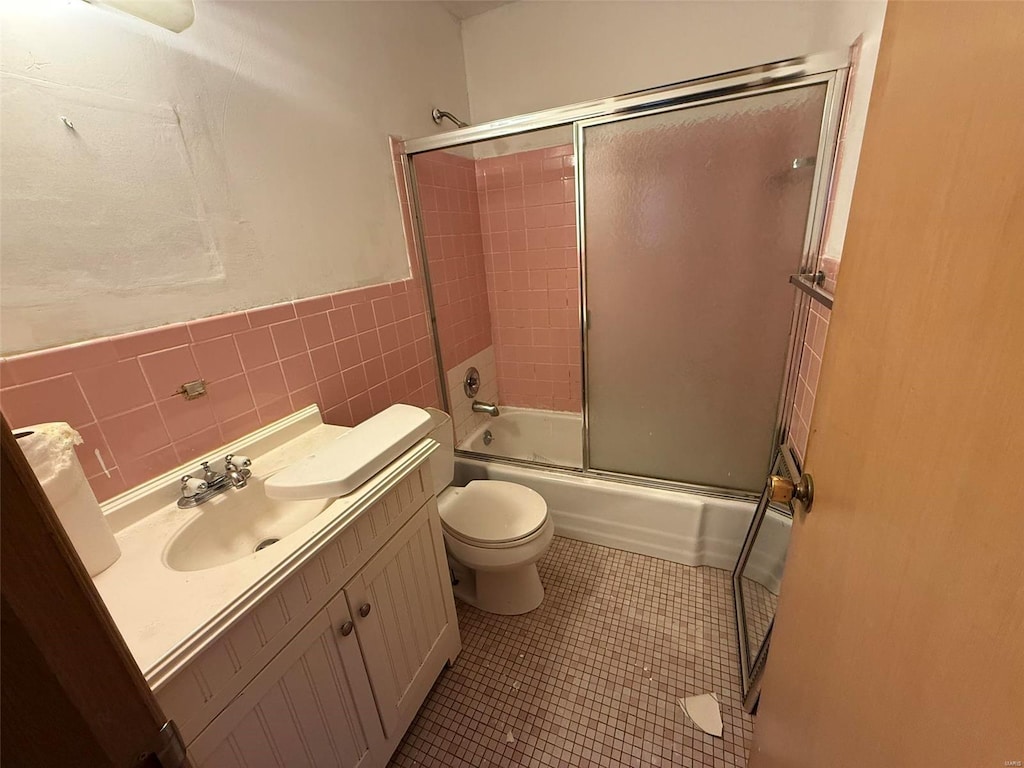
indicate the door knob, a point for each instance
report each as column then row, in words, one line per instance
column 346, row 628
column 364, row 610
column 783, row 490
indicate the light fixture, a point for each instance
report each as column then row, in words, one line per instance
column 175, row 15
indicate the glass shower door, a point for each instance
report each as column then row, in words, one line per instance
column 499, row 240
column 693, row 219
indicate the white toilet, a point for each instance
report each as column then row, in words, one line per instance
column 494, row 531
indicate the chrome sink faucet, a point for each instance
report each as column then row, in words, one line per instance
column 488, row 408
column 195, row 491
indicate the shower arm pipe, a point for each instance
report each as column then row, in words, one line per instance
column 727, row 82
column 439, row 114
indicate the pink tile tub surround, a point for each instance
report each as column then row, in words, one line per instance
column 527, row 209
column 353, row 353
column 807, row 382
column 447, row 189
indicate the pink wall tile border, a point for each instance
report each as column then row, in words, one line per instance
column 259, row 365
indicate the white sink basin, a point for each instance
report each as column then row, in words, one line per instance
column 234, row 524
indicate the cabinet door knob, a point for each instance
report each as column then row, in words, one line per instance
column 364, row 610
column 346, row 628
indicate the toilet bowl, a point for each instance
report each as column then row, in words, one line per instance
column 494, row 532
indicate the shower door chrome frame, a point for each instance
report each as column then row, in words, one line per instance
column 420, row 246
column 831, row 68
column 734, row 81
column 752, row 661
column 834, row 82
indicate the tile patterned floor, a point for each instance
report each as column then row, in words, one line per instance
column 591, row 677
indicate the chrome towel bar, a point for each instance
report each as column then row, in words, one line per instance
column 810, row 284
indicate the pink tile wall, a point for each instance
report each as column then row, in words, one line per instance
column 528, row 216
column 353, row 353
column 807, row 383
column 447, row 188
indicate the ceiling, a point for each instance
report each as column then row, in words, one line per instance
column 463, row 9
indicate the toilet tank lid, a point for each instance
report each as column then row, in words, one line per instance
column 342, row 465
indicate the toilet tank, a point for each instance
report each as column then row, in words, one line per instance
column 442, row 461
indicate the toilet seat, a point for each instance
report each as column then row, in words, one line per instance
column 492, row 513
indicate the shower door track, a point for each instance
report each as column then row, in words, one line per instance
column 830, row 68
column 617, row 477
column 727, row 83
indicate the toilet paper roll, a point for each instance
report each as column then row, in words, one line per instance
column 50, row 450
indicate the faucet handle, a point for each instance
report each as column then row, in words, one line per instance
column 232, row 461
column 190, row 486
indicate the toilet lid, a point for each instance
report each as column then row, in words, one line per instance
column 492, row 511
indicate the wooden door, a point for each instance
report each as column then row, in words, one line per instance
column 899, row 639
column 409, row 629
column 72, row 694
column 311, row 705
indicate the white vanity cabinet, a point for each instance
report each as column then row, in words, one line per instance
column 312, row 705
column 331, row 666
column 402, row 592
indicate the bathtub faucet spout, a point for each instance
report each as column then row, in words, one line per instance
column 488, row 408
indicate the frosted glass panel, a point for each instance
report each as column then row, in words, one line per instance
column 694, row 219
column 499, row 232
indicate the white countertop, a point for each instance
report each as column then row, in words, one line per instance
column 168, row 616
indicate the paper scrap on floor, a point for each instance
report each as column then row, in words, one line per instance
column 704, row 711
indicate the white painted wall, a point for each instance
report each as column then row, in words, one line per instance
column 245, row 161
column 242, row 162
column 528, row 56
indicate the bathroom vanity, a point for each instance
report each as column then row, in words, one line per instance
column 317, row 649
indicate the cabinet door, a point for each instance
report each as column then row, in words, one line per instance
column 410, row 629
column 310, row 706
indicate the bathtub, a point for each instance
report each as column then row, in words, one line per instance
column 550, row 437
column 682, row 527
